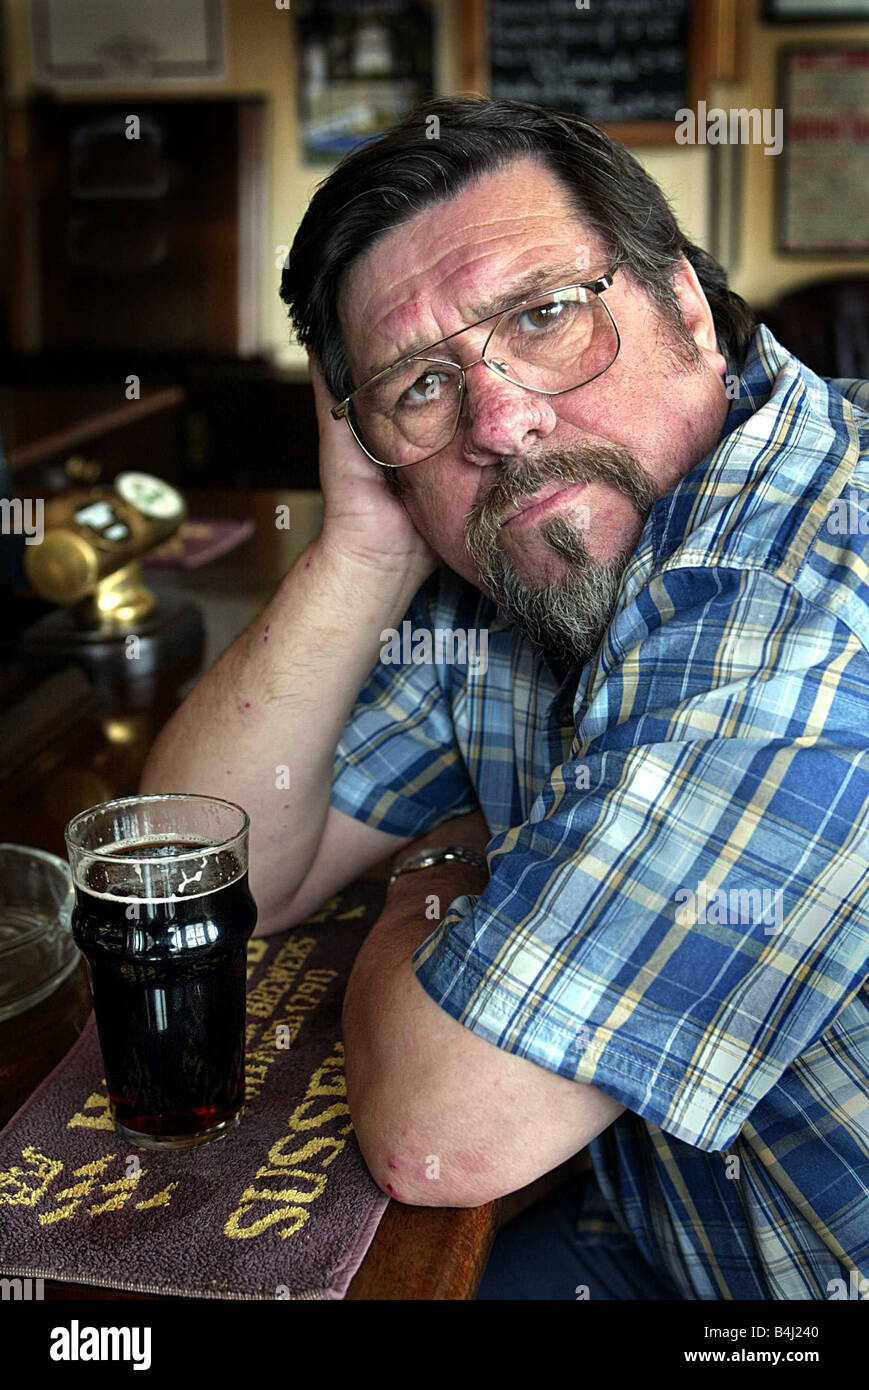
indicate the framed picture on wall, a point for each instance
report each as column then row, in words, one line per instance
column 127, row 41
column 361, row 68
column 823, row 191
column 814, row 11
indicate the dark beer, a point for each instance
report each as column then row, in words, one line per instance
column 168, row 980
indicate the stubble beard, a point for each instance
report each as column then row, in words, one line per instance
column 567, row 617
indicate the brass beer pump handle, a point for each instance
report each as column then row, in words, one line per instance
column 81, row 556
column 119, row 602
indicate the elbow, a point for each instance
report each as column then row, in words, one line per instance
column 411, row 1125
column 410, row 1164
column 403, row 1177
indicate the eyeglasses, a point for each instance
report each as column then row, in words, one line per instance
column 551, row 344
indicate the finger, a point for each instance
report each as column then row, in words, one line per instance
column 333, row 433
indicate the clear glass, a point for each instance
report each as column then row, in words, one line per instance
column 553, row 344
column 163, row 915
column 37, row 950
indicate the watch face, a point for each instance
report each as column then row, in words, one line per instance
column 150, row 495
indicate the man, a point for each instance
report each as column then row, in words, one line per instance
column 563, row 433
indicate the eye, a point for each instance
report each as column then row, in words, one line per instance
column 427, row 387
column 541, row 316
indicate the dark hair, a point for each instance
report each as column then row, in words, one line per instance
column 421, row 161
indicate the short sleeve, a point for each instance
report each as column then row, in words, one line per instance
column 398, row 766
column 686, row 908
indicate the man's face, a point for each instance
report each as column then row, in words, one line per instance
column 600, row 454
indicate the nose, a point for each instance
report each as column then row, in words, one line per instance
column 500, row 419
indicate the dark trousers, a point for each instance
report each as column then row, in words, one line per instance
column 568, row 1246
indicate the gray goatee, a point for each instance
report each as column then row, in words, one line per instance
column 569, row 616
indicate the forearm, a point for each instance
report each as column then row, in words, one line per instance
column 262, row 725
column 443, row 1116
column 417, row 900
column 375, row 1018
column 414, row 905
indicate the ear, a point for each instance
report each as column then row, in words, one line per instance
column 697, row 314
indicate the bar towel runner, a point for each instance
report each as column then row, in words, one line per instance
column 281, row 1207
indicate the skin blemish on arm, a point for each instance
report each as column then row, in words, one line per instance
column 308, row 563
column 266, row 632
column 243, row 705
column 391, row 1163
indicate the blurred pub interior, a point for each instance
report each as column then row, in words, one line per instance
column 157, row 156
column 159, row 255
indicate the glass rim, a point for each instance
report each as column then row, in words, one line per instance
column 46, row 855
column 105, row 853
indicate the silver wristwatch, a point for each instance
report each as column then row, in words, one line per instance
column 445, row 854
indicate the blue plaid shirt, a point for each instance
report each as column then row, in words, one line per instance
column 678, row 904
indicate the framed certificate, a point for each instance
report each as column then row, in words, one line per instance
column 127, row 41
column 823, row 191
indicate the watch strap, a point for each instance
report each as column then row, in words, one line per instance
column 443, row 854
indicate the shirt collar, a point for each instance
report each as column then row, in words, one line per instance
column 772, row 388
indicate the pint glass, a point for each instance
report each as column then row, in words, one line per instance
column 163, row 915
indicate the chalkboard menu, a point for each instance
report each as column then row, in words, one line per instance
column 617, row 60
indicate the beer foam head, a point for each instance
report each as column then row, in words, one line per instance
column 159, row 870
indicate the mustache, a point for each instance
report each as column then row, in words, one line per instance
column 612, row 465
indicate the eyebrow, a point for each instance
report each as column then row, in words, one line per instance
column 551, row 276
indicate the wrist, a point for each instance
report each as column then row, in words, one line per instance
column 404, row 573
column 434, row 856
column 329, row 594
column 424, row 895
